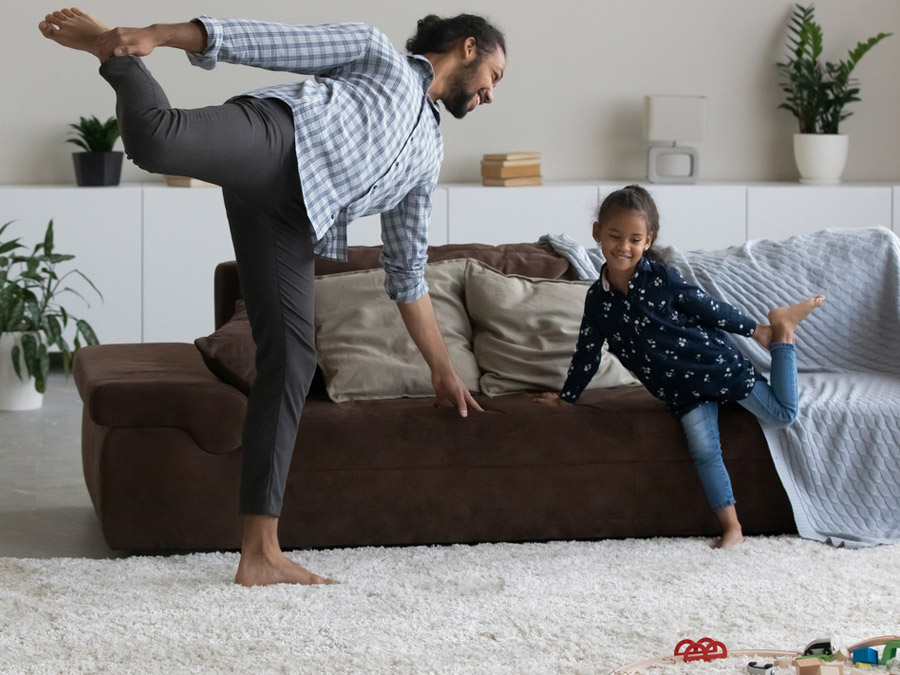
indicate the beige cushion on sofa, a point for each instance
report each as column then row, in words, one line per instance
column 526, row 330
column 365, row 351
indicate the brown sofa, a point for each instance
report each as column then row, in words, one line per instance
column 161, row 452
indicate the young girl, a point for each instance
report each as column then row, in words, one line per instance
column 671, row 335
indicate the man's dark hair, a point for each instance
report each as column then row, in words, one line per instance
column 439, row 36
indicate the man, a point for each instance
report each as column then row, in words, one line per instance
column 296, row 164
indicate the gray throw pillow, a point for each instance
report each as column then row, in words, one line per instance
column 365, row 351
column 526, row 330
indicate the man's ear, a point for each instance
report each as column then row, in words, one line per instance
column 469, row 48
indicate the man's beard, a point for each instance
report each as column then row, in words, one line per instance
column 457, row 103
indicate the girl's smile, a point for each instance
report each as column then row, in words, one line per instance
column 623, row 239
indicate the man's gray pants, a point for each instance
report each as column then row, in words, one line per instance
column 247, row 147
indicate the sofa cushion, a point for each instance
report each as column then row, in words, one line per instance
column 365, row 351
column 230, row 352
column 525, row 332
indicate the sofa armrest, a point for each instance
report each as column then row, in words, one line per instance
column 160, row 385
column 227, row 287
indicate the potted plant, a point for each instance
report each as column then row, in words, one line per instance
column 32, row 320
column 98, row 165
column 817, row 94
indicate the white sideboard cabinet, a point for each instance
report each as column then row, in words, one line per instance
column 896, row 209
column 101, row 227
column 367, row 231
column 499, row 215
column 701, row 217
column 779, row 211
column 152, row 250
column 185, row 236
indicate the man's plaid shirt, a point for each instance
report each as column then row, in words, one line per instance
column 366, row 133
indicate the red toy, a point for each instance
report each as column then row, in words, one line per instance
column 704, row 649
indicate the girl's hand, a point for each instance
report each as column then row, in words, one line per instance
column 550, row 398
column 763, row 335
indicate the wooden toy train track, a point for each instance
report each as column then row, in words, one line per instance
column 707, row 649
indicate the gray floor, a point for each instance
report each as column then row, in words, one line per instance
column 45, row 509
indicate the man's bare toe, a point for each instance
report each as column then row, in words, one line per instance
column 73, row 28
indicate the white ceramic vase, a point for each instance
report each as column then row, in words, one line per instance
column 820, row 158
column 16, row 394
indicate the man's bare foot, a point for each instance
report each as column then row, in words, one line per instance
column 265, row 570
column 262, row 561
column 73, row 28
column 729, row 538
column 785, row 319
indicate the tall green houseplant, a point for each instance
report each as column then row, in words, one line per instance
column 31, row 291
column 817, row 92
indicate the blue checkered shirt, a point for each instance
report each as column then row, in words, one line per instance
column 366, row 132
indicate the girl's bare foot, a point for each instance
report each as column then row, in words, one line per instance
column 785, row 319
column 729, row 538
column 73, row 28
column 732, row 533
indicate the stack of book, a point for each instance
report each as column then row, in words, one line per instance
column 508, row 169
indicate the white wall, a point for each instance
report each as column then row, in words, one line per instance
column 574, row 85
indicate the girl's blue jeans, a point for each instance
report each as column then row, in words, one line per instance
column 773, row 402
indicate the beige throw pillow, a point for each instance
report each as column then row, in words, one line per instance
column 526, row 330
column 365, row 351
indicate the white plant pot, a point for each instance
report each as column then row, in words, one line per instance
column 14, row 393
column 820, row 158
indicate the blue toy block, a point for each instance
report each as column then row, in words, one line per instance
column 866, row 656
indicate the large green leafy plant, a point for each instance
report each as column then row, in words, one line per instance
column 92, row 135
column 30, row 292
column 818, row 92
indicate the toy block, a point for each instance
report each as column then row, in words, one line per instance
column 865, row 657
column 890, row 651
column 814, row 666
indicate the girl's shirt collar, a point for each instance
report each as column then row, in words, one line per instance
column 643, row 264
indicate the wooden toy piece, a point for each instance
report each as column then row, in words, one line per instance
column 890, row 651
column 865, row 657
column 874, row 642
column 817, row 666
column 781, row 658
column 704, row 649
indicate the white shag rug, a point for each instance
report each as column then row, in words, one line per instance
column 563, row 607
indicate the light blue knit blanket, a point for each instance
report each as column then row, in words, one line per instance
column 840, row 461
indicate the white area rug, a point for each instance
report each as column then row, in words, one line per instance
column 506, row 608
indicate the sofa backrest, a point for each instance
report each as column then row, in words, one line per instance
column 532, row 260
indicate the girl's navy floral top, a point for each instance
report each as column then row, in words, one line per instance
column 670, row 334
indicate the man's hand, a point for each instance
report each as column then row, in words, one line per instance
column 550, row 398
column 127, row 42
column 423, row 329
column 448, row 386
column 191, row 37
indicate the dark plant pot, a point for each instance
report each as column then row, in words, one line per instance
column 97, row 168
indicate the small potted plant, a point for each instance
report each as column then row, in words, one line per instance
column 98, row 165
column 32, row 319
column 817, row 94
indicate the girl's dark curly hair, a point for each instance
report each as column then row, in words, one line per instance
column 434, row 34
column 633, row 198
